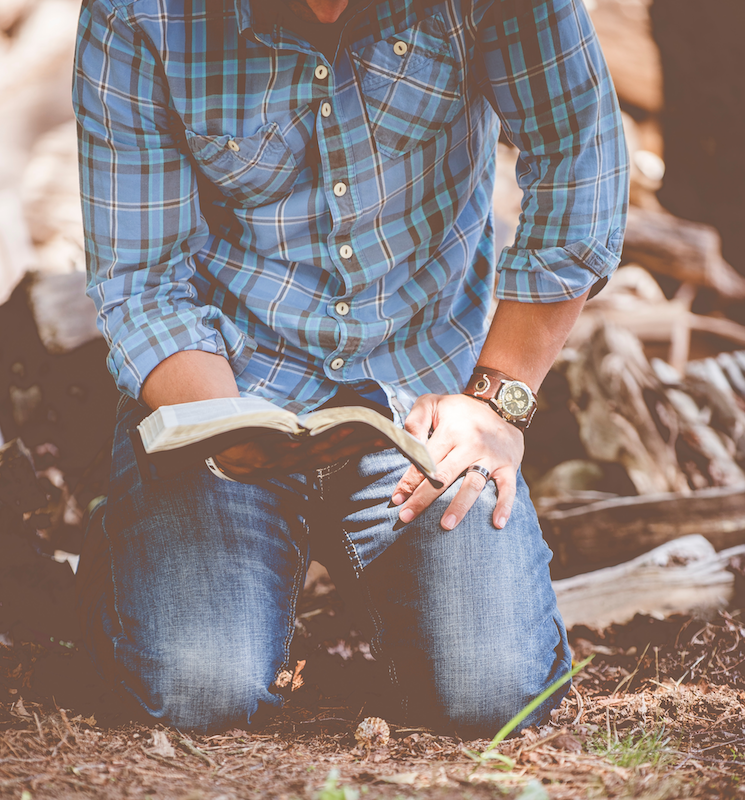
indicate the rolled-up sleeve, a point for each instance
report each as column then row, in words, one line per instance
column 143, row 226
column 545, row 75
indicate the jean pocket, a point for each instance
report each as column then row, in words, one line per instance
column 253, row 170
column 411, row 86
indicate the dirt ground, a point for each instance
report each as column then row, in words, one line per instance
column 658, row 713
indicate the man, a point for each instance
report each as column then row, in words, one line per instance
column 292, row 201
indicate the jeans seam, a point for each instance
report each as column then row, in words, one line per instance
column 297, row 585
column 332, row 469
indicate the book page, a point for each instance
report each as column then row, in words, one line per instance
column 318, row 422
column 171, row 427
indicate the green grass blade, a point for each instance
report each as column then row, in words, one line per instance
column 509, row 726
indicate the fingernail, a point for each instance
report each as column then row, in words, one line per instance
column 448, row 522
column 397, row 499
column 501, row 522
column 406, row 515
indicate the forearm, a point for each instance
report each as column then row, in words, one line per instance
column 188, row 376
column 525, row 338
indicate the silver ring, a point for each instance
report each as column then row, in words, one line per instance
column 483, row 471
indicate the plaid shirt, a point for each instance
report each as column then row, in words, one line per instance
column 319, row 222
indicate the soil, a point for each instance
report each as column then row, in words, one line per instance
column 658, row 713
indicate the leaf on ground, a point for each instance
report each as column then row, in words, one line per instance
column 533, row 791
column 161, row 745
column 401, row 778
column 19, row 709
column 565, row 741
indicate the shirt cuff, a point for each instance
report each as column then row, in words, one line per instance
column 136, row 353
column 555, row 274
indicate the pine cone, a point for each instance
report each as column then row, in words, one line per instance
column 372, row 732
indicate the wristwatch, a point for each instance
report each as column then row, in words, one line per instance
column 512, row 400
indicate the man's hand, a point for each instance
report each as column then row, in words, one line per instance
column 465, row 432
column 253, row 460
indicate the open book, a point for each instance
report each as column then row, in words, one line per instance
column 175, row 438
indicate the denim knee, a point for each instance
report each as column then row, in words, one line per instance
column 198, row 688
column 478, row 699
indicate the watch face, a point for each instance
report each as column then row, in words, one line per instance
column 515, row 399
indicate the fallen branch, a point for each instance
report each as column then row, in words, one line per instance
column 684, row 576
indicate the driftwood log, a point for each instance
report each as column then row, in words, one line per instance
column 613, row 531
column 670, row 432
column 684, row 576
column 65, row 318
column 635, row 301
column 688, row 251
column 623, row 413
column 625, row 33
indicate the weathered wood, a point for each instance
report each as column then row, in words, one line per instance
column 613, row 531
column 683, row 576
column 733, row 370
column 64, row 316
column 688, row 251
column 707, row 382
column 16, row 250
column 622, row 411
column 661, row 322
column 51, row 201
column 625, row 33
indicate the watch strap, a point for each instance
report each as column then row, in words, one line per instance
column 485, row 384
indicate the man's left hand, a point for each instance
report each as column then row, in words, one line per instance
column 465, row 432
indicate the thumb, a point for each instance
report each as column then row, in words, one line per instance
column 419, row 421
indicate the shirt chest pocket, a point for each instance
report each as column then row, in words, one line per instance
column 411, row 86
column 252, row 170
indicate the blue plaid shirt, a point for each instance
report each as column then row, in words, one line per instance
column 318, row 222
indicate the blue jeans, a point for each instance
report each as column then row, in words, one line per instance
column 196, row 615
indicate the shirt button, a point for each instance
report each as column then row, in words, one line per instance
column 326, row 109
column 321, row 72
column 340, row 189
column 400, row 48
column 337, row 363
column 233, row 145
column 342, row 308
column 345, row 251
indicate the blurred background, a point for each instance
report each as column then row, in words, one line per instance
column 646, row 403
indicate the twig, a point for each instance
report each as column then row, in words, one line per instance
column 580, row 705
column 631, row 677
column 171, row 762
column 539, row 742
column 698, row 757
column 41, row 732
column 63, row 715
column 720, row 671
column 690, row 669
column 195, row 751
column 11, row 748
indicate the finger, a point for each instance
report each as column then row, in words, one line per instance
column 441, row 448
column 506, row 480
column 411, row 479
column 447, row 471
column 469, row 491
